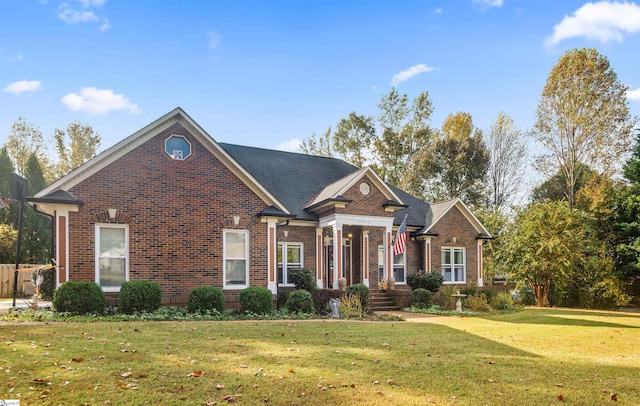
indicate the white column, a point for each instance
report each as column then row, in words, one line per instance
column 272, row 259
column 337, row 254
column 480, row 261
column 319, row 258
column 365, row 258
column 427, row 255
column 388, row 252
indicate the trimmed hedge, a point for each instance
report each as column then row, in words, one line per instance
column 79, row 298
column 421, row 298
column 362, row 291
column 256, row 300
column 300, row 301
column 139, row 296
column 206, row 299
column 303, row 279
column 421, row 280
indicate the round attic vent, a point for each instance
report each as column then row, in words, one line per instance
column 365, row 188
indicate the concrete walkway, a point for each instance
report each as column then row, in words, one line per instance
column 7, row 304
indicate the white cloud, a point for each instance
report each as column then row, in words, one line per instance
column 94, row 3
column 293, row 145
column 411, row 72
column 105, row 25
column 214, row 39
column 17, row 58
column 604, row 21
column 438, row 10
column 23, row 86
column 71, row 16
column 633, row 94
column 98, row 101
column 489, row 3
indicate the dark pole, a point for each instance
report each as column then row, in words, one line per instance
column 18, row 249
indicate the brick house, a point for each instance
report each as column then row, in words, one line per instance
column 172, row 205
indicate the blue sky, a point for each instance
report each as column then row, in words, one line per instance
column 267, row 73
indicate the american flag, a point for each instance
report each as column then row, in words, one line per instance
column 401, row 238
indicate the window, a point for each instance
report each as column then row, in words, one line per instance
column 289, row 257
column 112, row 256
column 236, row 259
column 453, row 265
column 177, row 147
column 380, row 263
column 399, row 266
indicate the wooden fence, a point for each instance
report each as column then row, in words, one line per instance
column 25, row 286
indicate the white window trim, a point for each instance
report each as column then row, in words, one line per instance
column 285, row 265
column 98, row 226
column 170, row 154
column 464, row 265
column 224, row 259
column 404, row 263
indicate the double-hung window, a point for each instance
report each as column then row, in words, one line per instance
column 399, row 262
column 453, row 265
column 112, row 256
column 236, row 259
column 290, row 256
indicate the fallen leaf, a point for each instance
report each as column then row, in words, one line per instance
column 390, row 381
column 100, row 357
column 79, row 359
column 36, row 380
column 376, row 361
column 492, row 380
column 291, row 370
column 197, row 374
column 127, row 374
column 559, row 385
column 219, row 386
column 614, row 397
column 561, row 397
column 376, row 382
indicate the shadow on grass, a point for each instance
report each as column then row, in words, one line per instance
column 566, row 317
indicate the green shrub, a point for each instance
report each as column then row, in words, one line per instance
column 321, row 298
column 139, row 296
column 503, row 301
column 303, row 279
column 206, row 299
column 283, row 296
column 421, row 298
column 300, row 301
column 525, row 296
column 478, row 303
column 477, row 291
column 48, row 283
column 362, row 291
column 256, row 300
column 421, row 280
column 350, row 306
column 79, row 298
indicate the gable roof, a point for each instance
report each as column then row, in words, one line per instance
column 339, row 187
column 295, row 178
column 438, row 210
column 176, row 115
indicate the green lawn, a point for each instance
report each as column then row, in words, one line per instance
column 531, row 357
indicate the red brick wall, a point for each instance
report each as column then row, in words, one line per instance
column 454, row 224
column 176, row 212
column 369, row 205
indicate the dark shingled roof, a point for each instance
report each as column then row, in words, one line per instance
column 295, row 179
column 57, row 197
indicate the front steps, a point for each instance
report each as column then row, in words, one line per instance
column 379, row 301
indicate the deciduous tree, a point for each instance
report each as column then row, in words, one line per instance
column 507, row 162
column 25, row 139
column 75, row 146
column 457, row 164
column 582, row 117
column 353, row 138
column 320, row 146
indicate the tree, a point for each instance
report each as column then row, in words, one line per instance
column 392, row 148
column 540, row 247
column 457, row 163
column 627, row 223
column 75, row 147
column 353, row 138
column 320, row 146
column 553, row 189
column 582, row 117
column 25, row 139
column 404, row 132
column 36, row 228
column 507, row 160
